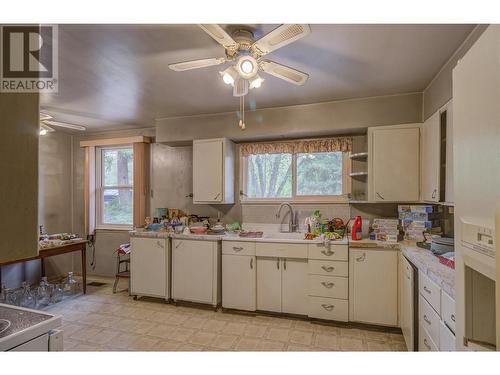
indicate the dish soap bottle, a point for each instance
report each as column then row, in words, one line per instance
column 356, row 233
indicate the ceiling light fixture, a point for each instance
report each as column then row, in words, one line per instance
column 43, row 131
column 247, row 66
column 256, row 82
column 229, row 75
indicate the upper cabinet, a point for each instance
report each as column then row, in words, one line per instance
column 394, row 163
column 213, row 171
column 19, row 182
column 437, row 157
column 430, row 161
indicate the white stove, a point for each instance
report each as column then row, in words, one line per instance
column 29, row 330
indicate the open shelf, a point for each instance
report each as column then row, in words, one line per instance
column 358, row 174
column 359, row 156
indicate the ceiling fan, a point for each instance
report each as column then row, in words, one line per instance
column 247, row 55
column 47, row 123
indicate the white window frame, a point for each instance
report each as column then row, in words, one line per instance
column 344, row 198
column 99, row 189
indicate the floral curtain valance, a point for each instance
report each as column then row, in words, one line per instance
column 343, row 144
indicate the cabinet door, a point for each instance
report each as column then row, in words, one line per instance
column 148, row 267
column 294, row 286
column 268, row 284
column 431, row 146
column 239, row 274
column 449, row 154
column 208, row 164
column 395, row 164
column 373, row 294
column 193, row 270
column 407, row 315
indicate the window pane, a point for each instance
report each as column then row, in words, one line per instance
column 319, row 173
column 118, row 167
column 269, row 176
column 117, row 206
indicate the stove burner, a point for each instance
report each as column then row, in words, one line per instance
column 4, row 325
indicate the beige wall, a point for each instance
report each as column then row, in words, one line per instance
column 439, row 91
column 339, row 117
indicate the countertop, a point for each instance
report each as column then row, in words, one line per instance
column 280, row 238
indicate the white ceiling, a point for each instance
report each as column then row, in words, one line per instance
column 116, row 76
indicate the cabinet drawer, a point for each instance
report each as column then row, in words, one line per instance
column 428, row 319
column 328, row 268
column 238, row 248
column 329, row 286
column 281, row 250
column 328, row 252
column 448, row 310
column 425, row 343
column 446, row 339
column 328, row 308
column 430, row 291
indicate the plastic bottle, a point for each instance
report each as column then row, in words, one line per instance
column 356, row 233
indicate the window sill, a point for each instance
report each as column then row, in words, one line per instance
column 111, row 228
column 340, row 200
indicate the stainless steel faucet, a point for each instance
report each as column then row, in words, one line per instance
column 292, row 224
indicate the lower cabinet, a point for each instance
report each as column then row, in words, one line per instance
column 282, row 285
column 239, row 288
column 149, row 267
column 406, row 302
column 195, row 271
column 373, row 286
column 294, row 286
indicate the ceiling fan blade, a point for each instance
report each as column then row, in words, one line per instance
column 64, row 125
column 284, row 72
column 220, row 35
column 45, row 116
column 280, row 37
column 196, row 64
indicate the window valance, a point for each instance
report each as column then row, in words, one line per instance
column 343, row 144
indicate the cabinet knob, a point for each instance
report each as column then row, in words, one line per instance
column 452, row 317
column 361, row 258
column 327, row 285
column 426, row 344
column 434, row 193
column 159, row 244
column 217, row 196
column 178, row 244
column 427, row 290
column 426, row 319
column 379, row 195
column 327, row 307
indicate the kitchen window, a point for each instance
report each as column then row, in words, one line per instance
column 114, row 187
column 305, row 170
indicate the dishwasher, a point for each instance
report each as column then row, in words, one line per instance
column 409, row 304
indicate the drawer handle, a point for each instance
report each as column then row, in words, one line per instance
column 453, row 317
column 426, row 344
column 278, row 263
column 380, row 196
column 328, row 252
column 427, row 320
column 251, row 263
column 434, row 193
column 408, row 277
column 361, row 258
column 284, row 264
column 427, row 290
column 237, row 248
column 327, row 307
column 327, row 285
column 328, row 269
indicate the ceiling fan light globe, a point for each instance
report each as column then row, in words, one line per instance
column 247, row 67
column 256, row 82
column 43, row 131
column 228, row 80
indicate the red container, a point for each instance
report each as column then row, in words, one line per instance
column 356, row 232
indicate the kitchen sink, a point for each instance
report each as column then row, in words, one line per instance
column 284, row 236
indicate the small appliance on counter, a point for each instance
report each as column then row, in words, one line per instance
column 356, row 230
